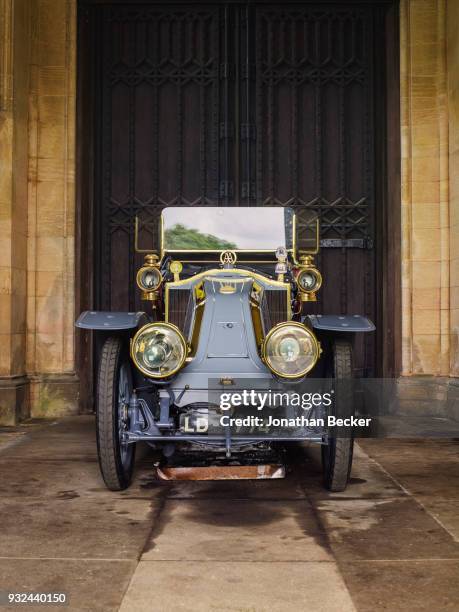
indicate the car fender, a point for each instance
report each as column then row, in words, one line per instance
column 340, row 323
column 101, row 320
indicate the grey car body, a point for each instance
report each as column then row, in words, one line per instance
column 224, row 348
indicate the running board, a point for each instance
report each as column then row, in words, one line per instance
column 222, row 472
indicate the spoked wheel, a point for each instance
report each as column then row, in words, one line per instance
column 337, row 454
column 114, row 390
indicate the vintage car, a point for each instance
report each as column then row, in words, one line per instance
column 227, row 295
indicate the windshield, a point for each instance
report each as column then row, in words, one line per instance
column 205, row 228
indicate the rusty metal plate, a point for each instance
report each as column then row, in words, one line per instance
column 222, row 472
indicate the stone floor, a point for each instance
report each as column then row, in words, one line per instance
column 390, row 542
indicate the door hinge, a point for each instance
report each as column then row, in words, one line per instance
column 226, row 130
column 248, row 131
column 347, row 243
column 226, row 189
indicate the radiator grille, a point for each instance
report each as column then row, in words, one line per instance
column 180, row 309
column 274, row 308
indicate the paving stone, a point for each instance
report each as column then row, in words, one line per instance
column 247, row 545
column 91, row 586
column 252, row 530
column 384, row 529
column 241, row 587
column 446, row 512
column 70, row 526
column 411, row 586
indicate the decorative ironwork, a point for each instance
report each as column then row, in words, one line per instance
column 160, row 94
column 313, row 79
column 236, row 104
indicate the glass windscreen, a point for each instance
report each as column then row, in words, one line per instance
column 223, row 228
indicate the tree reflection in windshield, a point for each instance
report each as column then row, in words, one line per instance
column 180, row 237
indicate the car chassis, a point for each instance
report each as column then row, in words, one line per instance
column 213, row 329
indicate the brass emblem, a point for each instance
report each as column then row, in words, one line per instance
column 228, row 258
column 227, row 288
column 176, row 267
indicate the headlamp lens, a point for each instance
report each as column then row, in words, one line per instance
column 158, row 350
column 291, row 350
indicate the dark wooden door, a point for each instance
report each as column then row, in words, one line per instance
column 237, row 104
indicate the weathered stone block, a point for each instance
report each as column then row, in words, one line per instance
column 50, row 315
column 426, row 321
column 48, row 352
column 426, row 298
column 426, row 215
column 50, row 213
column 425, row 169
column 14, row 400
column 54, row 395
column 50, row 253
column 426, row 349
column 426, row 245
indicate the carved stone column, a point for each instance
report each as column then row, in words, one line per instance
column 425, row 188
column 51, row 205
column 37, row 208
column 15, row 52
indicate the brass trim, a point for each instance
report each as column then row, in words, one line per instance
column 308, row 297
column 216, row 251
column 176, row 268
column 228, row 257
column 217, row 271
column 196, row 331
column 256, row 316
column 159, row 324
column 151, row 259
column 150, row 296
column 294, row 324
column 298, row 255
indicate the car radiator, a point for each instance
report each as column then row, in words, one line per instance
column 180, row 309
column 274, row 307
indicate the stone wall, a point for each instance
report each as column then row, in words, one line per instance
column 37, row 199
column 37, row 208
column 428, row 267
column 15, row 52
column 453, row 113
column 51, row 204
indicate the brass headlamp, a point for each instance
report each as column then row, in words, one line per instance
column 149, row 278
column 309, row 279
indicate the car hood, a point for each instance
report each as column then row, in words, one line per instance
column 227, row 343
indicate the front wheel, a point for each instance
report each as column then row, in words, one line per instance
column 337, row 454
column 114, row 390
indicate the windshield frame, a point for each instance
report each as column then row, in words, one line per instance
column 195, row 255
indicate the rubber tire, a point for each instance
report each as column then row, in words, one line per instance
column 337, row 454
column 116, row 475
